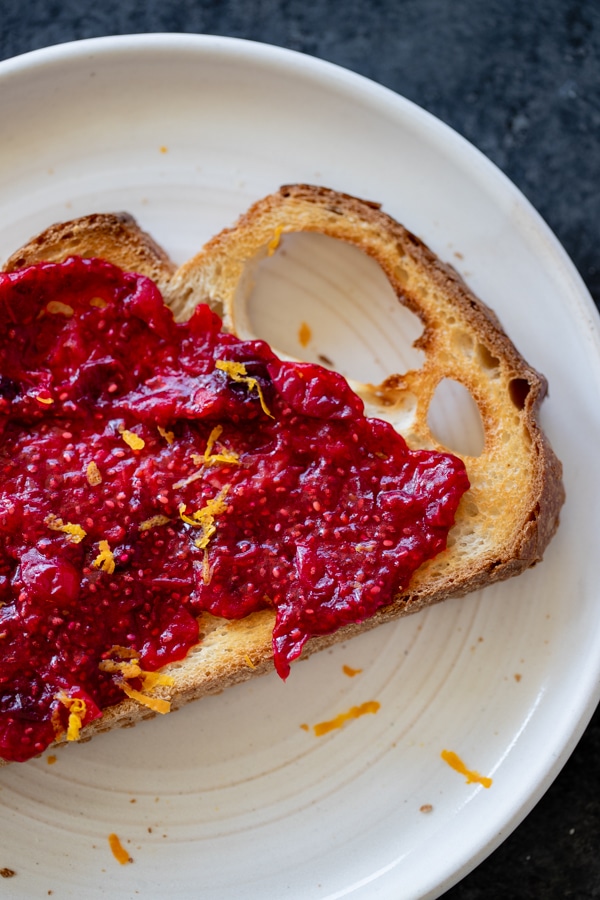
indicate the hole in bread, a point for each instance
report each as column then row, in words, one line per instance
column 454, row 419
column 518, row 390
column 322, row 300
column 463, row 342
column 486, row 358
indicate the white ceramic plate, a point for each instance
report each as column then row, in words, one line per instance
column 231, row 797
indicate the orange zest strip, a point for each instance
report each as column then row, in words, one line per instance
column 130, row 668
column 350, row 672
column 154, row 522
column 304, row 334
column 56, row 307
column 75, row 533
column 204, row 518
column 206, row 568
column 118, row 850
column 456, row 763
column 132, row 439
column 355, row 712
column 105, row 559
column 93, row 475
column 77, row 710
column 226, row 456
column 274, row 242
column 237, row 372
column 156, row 704
column 126, row 669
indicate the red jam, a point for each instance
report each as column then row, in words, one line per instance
column 151, row 470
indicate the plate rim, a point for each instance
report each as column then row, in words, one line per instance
column 301, row 63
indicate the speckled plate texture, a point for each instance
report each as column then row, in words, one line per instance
column 236, row 796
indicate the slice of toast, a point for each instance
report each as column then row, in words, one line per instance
column 504, row 522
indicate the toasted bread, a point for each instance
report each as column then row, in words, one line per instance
column 504, row 522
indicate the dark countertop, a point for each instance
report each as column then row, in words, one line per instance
column 521, row 82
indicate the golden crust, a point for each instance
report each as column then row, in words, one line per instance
column 113, row 236
column 504, row 522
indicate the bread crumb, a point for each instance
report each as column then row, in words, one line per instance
column 7, row 873
column 426, row 808
column 517, row 676
column 51, row 759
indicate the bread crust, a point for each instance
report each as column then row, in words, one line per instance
column 499, row 531
column 113, row 236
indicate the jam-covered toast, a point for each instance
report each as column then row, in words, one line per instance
column 503, row 522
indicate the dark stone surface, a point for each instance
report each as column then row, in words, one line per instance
column 522, row 82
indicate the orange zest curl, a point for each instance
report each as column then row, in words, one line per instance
column 75, row 533
column 456, row 763
column 224, row 456
column 93, row 474
column 355, row 712
column 105, row 559
column 132, row 439
column 57, row 307
column 237, row 372
column 275, row 240
column 128, row 669
column 204, row 518
column 77, row 709
column 154, row 522
column 118, row 850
